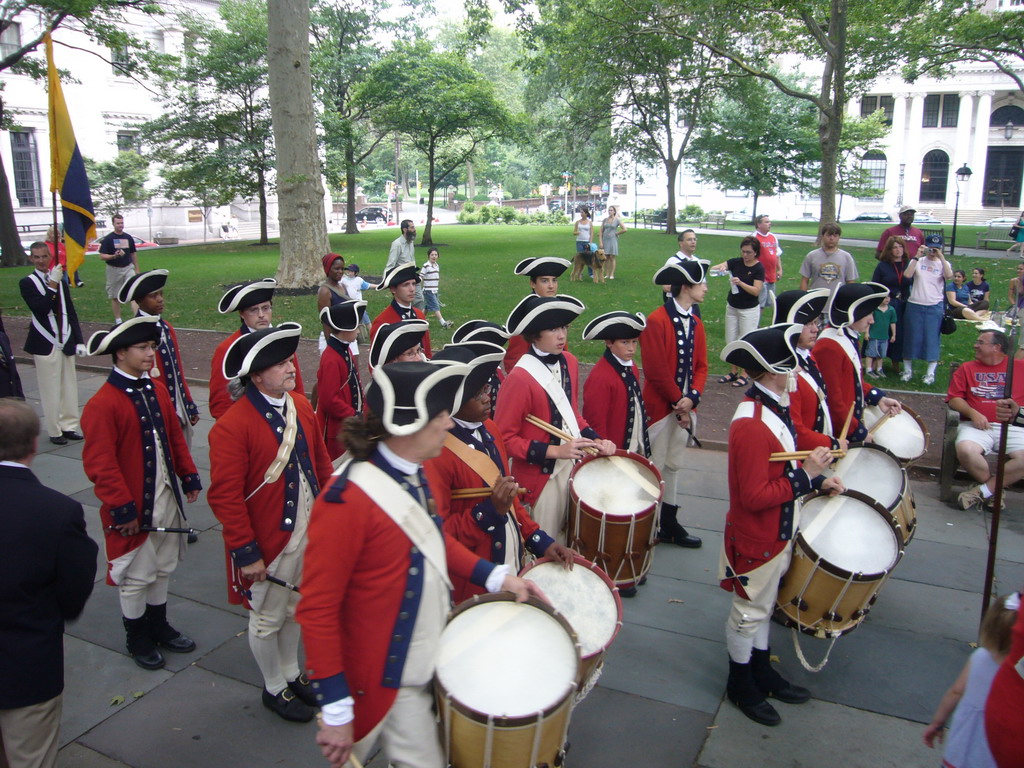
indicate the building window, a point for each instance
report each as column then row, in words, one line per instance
column 10, row 40
column 941, row 108
column 934, row 177
column 874, row 163
column 871, row 104
column 1009, row 113
column 25, row 160
column 120, row 61
column 127, row 141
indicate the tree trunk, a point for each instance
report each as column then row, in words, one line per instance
column 350, row 189
column 11, row 252
column 470, row 181
column 430, row 204
column 671, row 169
column 300, row 191
column 829, row 128
column 261, row 179
column 753, row 216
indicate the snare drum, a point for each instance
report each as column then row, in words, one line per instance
column 844, row 551
column 876, row 473
column 613, row 513
column 494, row 714
column 904, row 435
column 589, row 600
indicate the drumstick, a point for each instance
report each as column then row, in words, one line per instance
column 849, row 419
column 477, row 493
column 552, row 430
column 354, row 760
column 837, row 453
column 880, row 422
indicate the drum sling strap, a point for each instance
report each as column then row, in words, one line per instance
column 479, row 462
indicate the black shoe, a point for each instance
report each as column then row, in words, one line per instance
column 302, row 688
column 744, row 693
column 140, row 645
column 164, row 634
column 288, row 706
column 627, row 591
column 771, row 683
column 72, row 435
column 679, row 537
column 59, row 440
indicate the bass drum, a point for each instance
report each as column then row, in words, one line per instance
column 904, row 435
column 876, row 473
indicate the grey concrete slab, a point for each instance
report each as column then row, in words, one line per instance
column 62, row 473
column 202, row 576
column 665, row 666
column 936, row 611
column 202, row 719
column 82, row 757
column 609, row 727
column 956, row 567
column 814, row 735
column 95, row 530
column 93, row 677
column 700, row 565
column 871, row 668
column 100, row 623
column 234, row 659
column 680, row 606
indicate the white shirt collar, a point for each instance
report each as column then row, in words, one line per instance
column 128, row 376
column 472, row 425
column 277, row 402
column 767, row 392
column 623, row 363
column 680, row 310
column 404, row 466
column 144, row 313
column 13, row 464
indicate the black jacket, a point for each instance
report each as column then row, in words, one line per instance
column 42, row 306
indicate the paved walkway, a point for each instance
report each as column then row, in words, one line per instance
column 658, row 703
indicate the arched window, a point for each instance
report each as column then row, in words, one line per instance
column 934, row 177
column 1007, row 114
column 874, row 163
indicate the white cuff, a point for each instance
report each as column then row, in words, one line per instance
column 338, row 712
column 497, row 578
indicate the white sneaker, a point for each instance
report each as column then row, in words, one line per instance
column 906, row 376
column 971, row 499
column 929, row 378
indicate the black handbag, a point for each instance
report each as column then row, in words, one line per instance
column 948, row 325
column 1014, row 231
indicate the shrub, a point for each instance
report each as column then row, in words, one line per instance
column 691, row 213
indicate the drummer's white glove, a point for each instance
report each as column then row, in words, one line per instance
column 56, row 274
column 81, row 350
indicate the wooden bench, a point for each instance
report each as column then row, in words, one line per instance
column 713, row 221
column 657, row 220
column 999, row 233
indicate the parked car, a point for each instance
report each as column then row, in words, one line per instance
column 375, row 213
column 925, row 218
column 875, row 216
column 1007, row 221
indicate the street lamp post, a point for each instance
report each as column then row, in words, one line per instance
column 963, row 174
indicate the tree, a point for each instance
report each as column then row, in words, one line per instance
column 756, row 139
column 860, row 135
column 443, row 108
column 199, row 182
column 217, row 114
column 103, row 21
column 300, row 191
column 118, row 184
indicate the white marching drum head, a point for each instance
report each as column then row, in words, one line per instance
column 616, row 485
column 873, row 473
column 584, row 598
column 486, row 649
column 849, row 534
column 901, row 433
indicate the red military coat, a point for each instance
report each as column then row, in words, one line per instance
column 521, row 395
column 116, row 461
column 447, row 472
column 168, row 376
column 390, row 315
column 803, row 407
column 355, row 578
column 242, row 446
column 841, row 383
column 606, row 402
column 334, row 398
column 220, row 400
column 660, row 355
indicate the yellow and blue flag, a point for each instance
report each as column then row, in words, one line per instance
column 67, row 172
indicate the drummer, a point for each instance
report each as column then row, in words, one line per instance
column 544, row 384
column 492, row 333
column 809, row 403
column 376, row 582
column 675, row 358
column 837, row 354
column 763, row 516
column 612, row 401
column 543, row 272
column 400, row 342
column 497, row 526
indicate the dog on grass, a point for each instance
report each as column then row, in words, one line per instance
column 594, row 259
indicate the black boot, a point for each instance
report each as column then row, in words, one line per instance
column 771, row 683
column 140, row 645
column 288, row 706
column 744, row 693
column 164, row 634
column 671, row 532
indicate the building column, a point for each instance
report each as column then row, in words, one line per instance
column 979, row 157
column 897, row 151
column 961, row 147
column 913, row 155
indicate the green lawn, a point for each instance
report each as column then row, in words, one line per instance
column 476, row 280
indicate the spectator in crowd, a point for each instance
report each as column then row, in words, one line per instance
column 891, row 272
column 1018, row 237
column 742, row 311
column 354, row 286
column 911, row 237
column 880, row 335
column 980, row 290
column 771, row 256
column 925, row 308
column 1016, row 292
column 331, row 291
column 958, row 297
column 583, row 230
column 118, row 250
column 431, row 276
column 608, row 239
column 403, row 251
column 828, row 264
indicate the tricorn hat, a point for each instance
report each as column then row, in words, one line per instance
column 850, row 302
column 142, row 284
column 615, row 325
column 542, row 313
column 798, row 306
column 254, row 352
column 247, row 295
column 134, row 331
column 481, row 330
column 406, row 396
column 392, row 339
column 542, row 266
column 688, row 272
column 343, row 316
column 483, row 359
column 398, row 274
column 771, row 349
